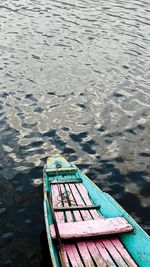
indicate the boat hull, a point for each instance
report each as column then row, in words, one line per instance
column 137, row 243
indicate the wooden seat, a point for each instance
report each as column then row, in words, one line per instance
column 92, row 228
column 100, row 252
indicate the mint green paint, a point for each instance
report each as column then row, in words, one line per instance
column 52, row 248
column 137, row 243
column 58, row 160
column 48, row 221
column 53, row 175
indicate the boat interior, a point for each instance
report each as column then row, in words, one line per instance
column 72, row 203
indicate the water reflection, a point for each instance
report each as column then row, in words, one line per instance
column 74, row 79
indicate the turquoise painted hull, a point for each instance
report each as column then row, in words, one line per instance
column 137, row 243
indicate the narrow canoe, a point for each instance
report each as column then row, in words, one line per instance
column 86, row 226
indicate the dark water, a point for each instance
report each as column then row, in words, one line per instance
column 74, row 79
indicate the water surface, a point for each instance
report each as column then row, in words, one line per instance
column 74, row 79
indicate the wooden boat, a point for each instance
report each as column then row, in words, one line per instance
column 86, row 226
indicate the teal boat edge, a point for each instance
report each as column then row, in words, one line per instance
column 137, row 243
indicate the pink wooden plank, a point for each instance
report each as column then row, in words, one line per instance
column 87, row 200
column 65, row 203
column 104, row 253
column 65, row 256
column 118, row 245
column 114, row 253
column 85, row 254
column 70, row 249
column 84, row 213
column 95, row 254
column 73, row 255
column 59, row 218
column 86, row 246
column 113, row 242
column 76, row 213
column 55, row 193
column 92, row 228
column 81, row 245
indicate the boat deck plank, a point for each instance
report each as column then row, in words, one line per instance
column 84, row 213
column 73, row 255
column 106, row 256
column 87, row 249
column 87, row 216
column 100, row 252
column 115, row 242
column 87, row 259
column 82, row 190
column 65, row 256
column 59, row 215
column 117, row 257
column 121, row 249
column 71, row 249
column 97, row 257
column 69, row 217
column 76, row 213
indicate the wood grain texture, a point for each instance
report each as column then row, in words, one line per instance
column 59, row 215
column 84, row 213
column 76, row 213
column 105, row 254
column 98, row 248
column 116, row 256
column 97, row 257
column 82, row 190
column 72, row 250
column 121, row 249
column 92, row 228
column 73, row 255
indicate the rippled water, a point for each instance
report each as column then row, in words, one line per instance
column 74, row 79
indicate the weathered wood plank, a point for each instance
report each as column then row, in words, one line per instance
column 87, row 200
column 81, row 245
column 65, row 203
column 65, row 256
column 59, row 215
column 76, row 213
column 95, row 214
column 114, row 253
column 104, row 253
column 60, row 218
column 73, row 255
column 124, row 253
column 87, row 259
column 85, row 214
column 92, row 228
column 95, row 254
column 72, row 249
column 105, row 248
column 78, row 199
column 84, row 248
